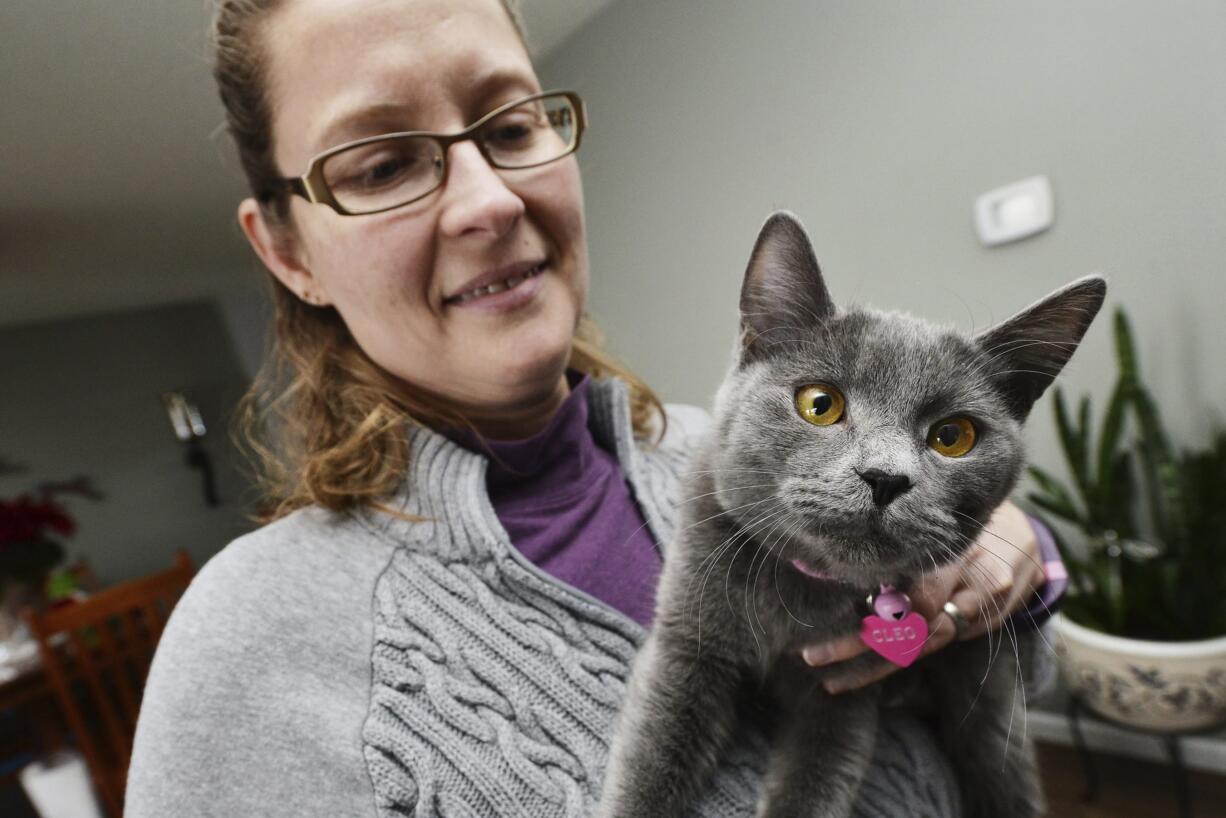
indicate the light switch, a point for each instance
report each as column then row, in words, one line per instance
column 1014, row 211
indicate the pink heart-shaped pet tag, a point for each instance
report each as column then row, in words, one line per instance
column 898, row 640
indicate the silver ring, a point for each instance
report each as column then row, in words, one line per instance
column 960, row 623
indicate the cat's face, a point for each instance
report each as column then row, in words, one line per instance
column 874, row 445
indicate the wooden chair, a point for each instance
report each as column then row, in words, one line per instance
column 97, row 654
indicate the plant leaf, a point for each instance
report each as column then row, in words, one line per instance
column 1074, row 449
column 1055, row 491
column 1056, row 507
column 1108, row 446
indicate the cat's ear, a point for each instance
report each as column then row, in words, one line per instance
column 783, row 290
column 1027, row 351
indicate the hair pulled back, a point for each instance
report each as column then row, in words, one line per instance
column 322, row 422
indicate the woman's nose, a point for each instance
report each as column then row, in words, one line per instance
column 476, row 198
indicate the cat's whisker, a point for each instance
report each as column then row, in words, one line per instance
column 742, row 531
column 1038, row 630
column 749, row 616
column 731, row 470
column 1009, row 543
column 726, row 511
column 778, row 557
column 1019, row 343
column 728, row 573
column 745, row 532
column 748, row 574
column 720, row 551
column 769, row 552
column 724, row 546
column 700, row 522
column 778, row 327
column 1011, row 632
column 963, row 567
column 1017, row 674
column 715, row 553
column 724, row 491
column 1033, row 562
column 996, row 373
column 800, row 342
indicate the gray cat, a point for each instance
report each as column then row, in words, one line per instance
column 869, row 446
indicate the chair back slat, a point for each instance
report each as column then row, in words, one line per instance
column 118, row 658
column 97, row 654
column 142, row 628
column 94, row 667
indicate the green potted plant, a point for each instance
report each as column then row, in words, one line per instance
column 1142, row 632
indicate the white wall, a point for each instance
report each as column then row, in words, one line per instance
column 878, row 123
column 82, row 396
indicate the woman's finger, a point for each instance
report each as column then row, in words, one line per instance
column 834, row 650
column 991, row 612
column 994, row 573
column 941, row 632
column 841, row 684
column 1009, row 541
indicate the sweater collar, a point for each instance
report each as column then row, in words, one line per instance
column 446, row 483
column 555, row 459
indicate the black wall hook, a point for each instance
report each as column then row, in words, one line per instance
column 189, row 428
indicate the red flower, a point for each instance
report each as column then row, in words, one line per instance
column 24, row 520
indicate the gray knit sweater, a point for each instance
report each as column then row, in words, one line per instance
column 361, row 665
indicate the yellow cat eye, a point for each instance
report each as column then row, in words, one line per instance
column 819, row 404
column 952, row 437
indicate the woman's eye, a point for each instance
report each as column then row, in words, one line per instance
column 952, row 437
column 514, row 130
column 387, row 170
column 510, row 133
column 379, row 167
column 384, row 171
column 820, row 404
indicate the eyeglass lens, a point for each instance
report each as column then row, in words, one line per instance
column 389, row 172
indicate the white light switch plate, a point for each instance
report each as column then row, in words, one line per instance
column 1014, row 211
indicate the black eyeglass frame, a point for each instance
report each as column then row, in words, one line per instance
column 314, row 188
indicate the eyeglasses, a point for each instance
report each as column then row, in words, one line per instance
column 392, row 170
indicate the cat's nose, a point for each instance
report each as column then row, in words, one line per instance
column 885, row 486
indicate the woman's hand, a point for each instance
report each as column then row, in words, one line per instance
column 999, row 574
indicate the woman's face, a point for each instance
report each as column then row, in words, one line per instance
column 345, row 69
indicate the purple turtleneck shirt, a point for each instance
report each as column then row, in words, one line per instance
column 567, row 507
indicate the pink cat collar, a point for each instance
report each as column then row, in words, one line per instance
column 811, row 572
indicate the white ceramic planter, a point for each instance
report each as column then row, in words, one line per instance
column 1158, row 686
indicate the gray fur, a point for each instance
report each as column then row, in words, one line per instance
column 733, row 613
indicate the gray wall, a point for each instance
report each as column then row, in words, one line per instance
column 878, row 123
column 82, row 396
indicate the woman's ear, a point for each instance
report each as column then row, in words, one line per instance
column 281, row 254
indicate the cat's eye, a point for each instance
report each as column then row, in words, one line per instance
column 952, row 437
column 819, row 404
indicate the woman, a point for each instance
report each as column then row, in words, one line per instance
column 423, row 627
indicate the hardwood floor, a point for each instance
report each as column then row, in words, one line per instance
column 1127, row 788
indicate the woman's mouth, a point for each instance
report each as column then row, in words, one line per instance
column 511, row 282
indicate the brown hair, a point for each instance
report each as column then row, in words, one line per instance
column 323, row 423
